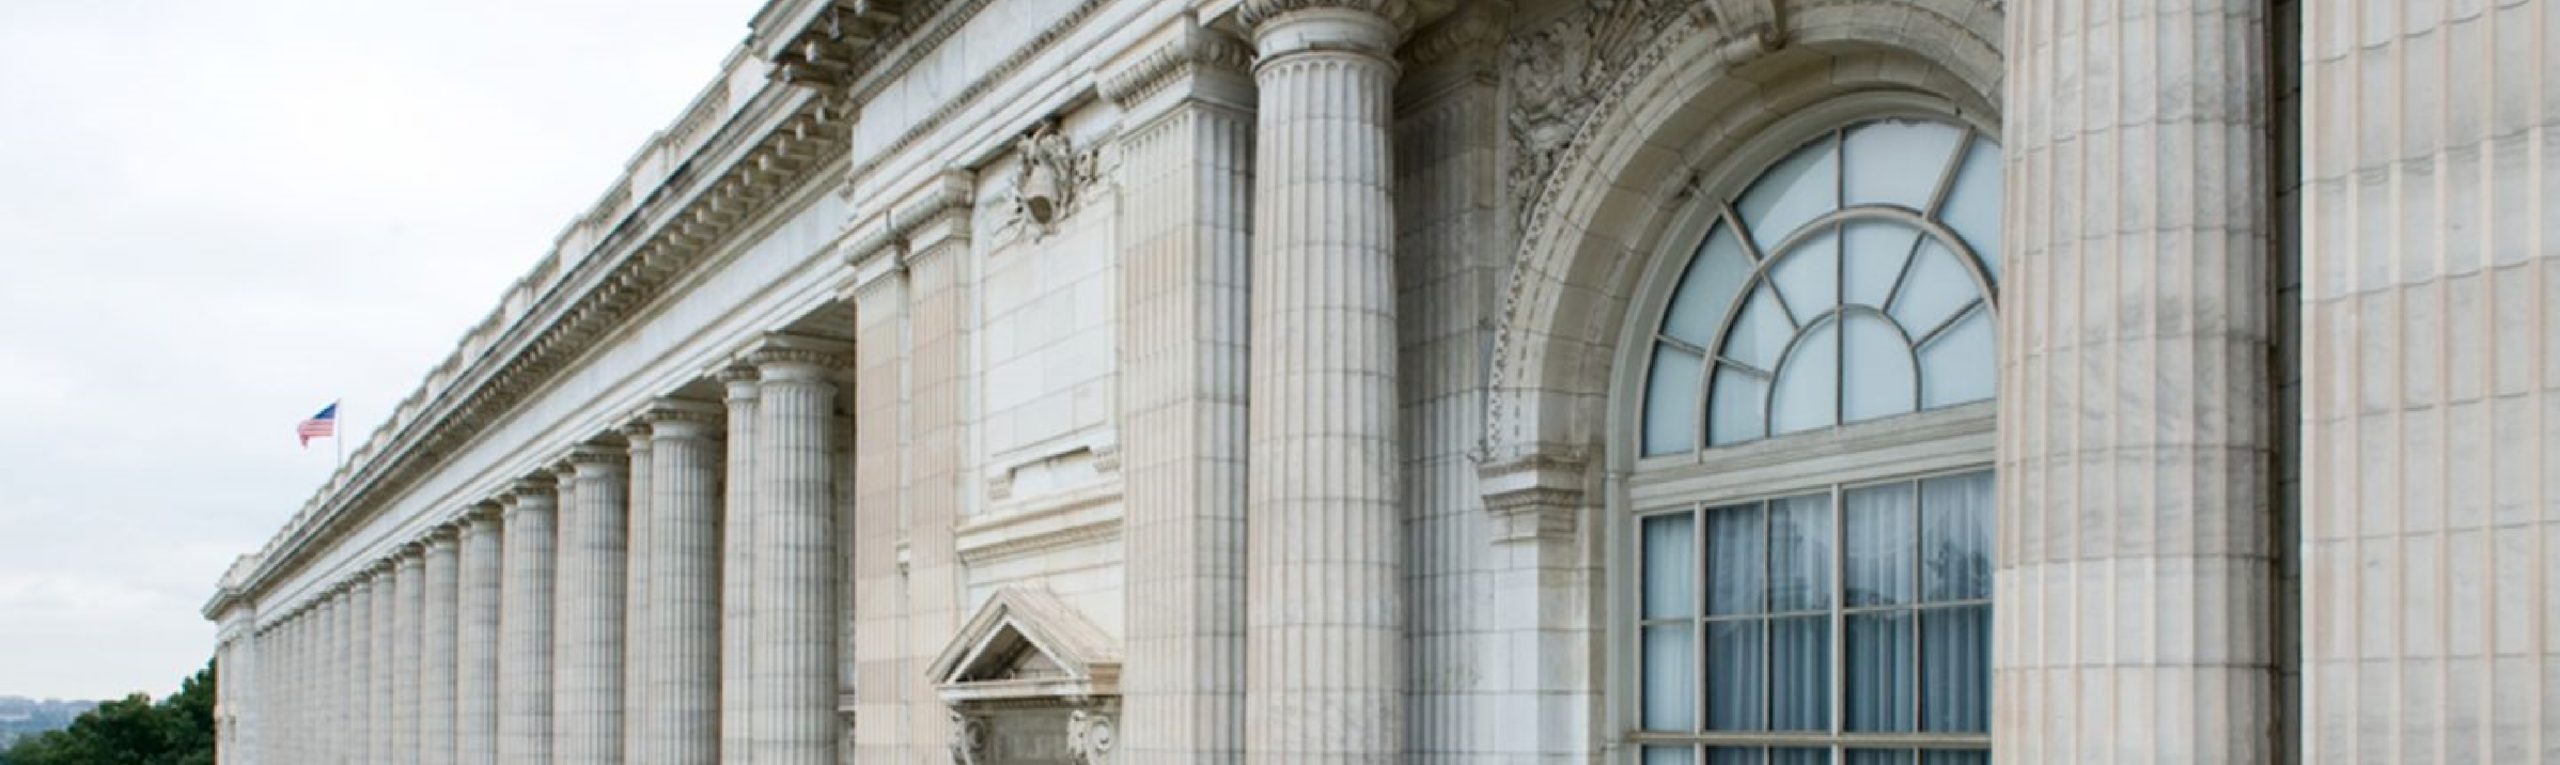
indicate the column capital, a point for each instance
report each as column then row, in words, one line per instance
column 439, row 537
column 479, row 515
column 1283, row 27
column 599, row 458
column 540, row 484
column 739, row 380
column 682, row 418
column 779, row 357
column 636, row 433
column 1184, row 50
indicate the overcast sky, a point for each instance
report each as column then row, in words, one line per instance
column 218, row 215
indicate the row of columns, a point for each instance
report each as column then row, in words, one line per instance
column 641, row 614
column 590, row 611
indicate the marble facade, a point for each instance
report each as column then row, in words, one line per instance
column 1257, row 381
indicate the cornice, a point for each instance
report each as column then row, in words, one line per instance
column 967, row 96
column 778, row 143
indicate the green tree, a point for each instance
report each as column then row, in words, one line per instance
column 132, row 731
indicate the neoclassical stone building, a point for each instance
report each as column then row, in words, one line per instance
column 1544, row 381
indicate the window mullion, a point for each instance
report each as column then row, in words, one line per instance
column 1839, row 679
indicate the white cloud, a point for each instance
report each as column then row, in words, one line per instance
column 217, row 216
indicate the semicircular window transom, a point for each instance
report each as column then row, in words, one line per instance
column 1853, row 280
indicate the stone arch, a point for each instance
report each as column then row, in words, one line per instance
column 1692, row 97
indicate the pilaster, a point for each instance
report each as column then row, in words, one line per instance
column 1325, row 614
column 881, row 656
column 1185, row 231
column 2133, row 568
column 941, row 279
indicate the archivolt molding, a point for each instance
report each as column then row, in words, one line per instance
column 1589, row 91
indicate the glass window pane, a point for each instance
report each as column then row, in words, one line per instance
column 1880, row 693
column 1880, row 378
column 1800, row 673
column 1735, row 755
column 1670, row 566
column 1671, row 401
column 1796, row 190
column 1808, row 276
column 1879, row 757
column 1880, row 543
column 1760, row 332
column 1670, row 678
column 1897, row 161
column 1808, row 386
column 1873, row 252
column 1800, row 553
column 1737, row 561
column 1955, row 537
column 1707, row 289
column 1735, row 411
column 1973, row 204
column 1670, row 755
column 1936, row 288
column 1737, row 681
column 1955, row 669
column 1954, row 757
column 1800, row 756
column 1959, row 366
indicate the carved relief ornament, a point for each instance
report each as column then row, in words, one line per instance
column 1561, row 73
column 1049, row 181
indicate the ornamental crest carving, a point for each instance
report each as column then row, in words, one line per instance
column 1050, row 181
column 1559, row 74
column 968, row 739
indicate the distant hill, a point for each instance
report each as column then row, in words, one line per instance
column 21, row 716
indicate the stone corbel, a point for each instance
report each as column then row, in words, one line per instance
column 1533, row 496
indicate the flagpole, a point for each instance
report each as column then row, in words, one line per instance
column 338, row 434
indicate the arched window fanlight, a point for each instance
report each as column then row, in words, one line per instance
column 1852, row 281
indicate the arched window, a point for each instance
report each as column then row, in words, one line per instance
column 1837, row 608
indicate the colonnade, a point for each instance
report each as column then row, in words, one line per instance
column 578, row 614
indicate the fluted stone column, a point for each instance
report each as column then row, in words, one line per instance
column 407, row 622
column 437, row 678
column 529, row 566
column 737, row 562
column 1325, row 613
column 681, row 720
column 637, row 704
column 381, row 711
column 2431, row 399
column 791, row 654
column 475, row 719
column 324, row 672
column 593, row 537
column 2134, row 579
column 342, row 667
column 1184, row 228
column 361, row 734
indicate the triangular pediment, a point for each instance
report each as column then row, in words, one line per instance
column 1025, row 643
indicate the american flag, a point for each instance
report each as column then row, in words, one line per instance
column 322, row 425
